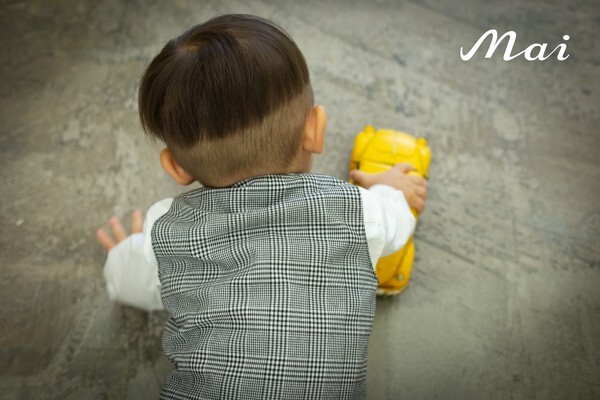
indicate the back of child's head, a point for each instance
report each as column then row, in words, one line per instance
column 228, row 97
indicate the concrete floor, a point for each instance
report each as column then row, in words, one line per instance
column 505, row 296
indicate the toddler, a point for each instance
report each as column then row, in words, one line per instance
column 267, row 271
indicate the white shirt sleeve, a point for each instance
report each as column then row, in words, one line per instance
column 131, row 269
column 389, row 223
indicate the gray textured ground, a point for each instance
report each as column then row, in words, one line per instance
column 505, row 297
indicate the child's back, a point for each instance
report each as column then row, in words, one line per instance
column 270, row 288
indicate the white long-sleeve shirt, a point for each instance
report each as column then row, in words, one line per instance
column 131, row 269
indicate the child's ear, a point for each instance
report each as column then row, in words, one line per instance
column 174, row 170
column 313, row 140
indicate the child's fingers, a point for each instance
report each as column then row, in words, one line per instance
column 117, row 229
column 419, row 204
column 417, row 180
column 137, row 221
column 404, row 167
column 104, row 239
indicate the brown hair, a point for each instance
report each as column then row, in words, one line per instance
column 228, row 96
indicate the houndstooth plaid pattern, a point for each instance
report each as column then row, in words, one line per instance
column 270, row 288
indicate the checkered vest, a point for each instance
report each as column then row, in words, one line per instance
column 270, row 288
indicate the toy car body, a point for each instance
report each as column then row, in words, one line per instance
column 376, row 151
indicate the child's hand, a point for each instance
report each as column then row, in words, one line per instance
column 413, row 187
column 118, row 232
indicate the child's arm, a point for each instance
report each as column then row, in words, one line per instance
column 413, row 187
column 131, row 270
column 389, row 222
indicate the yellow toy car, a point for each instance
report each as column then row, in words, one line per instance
column 376, row 151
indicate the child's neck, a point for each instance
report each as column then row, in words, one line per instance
column 301, row 164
